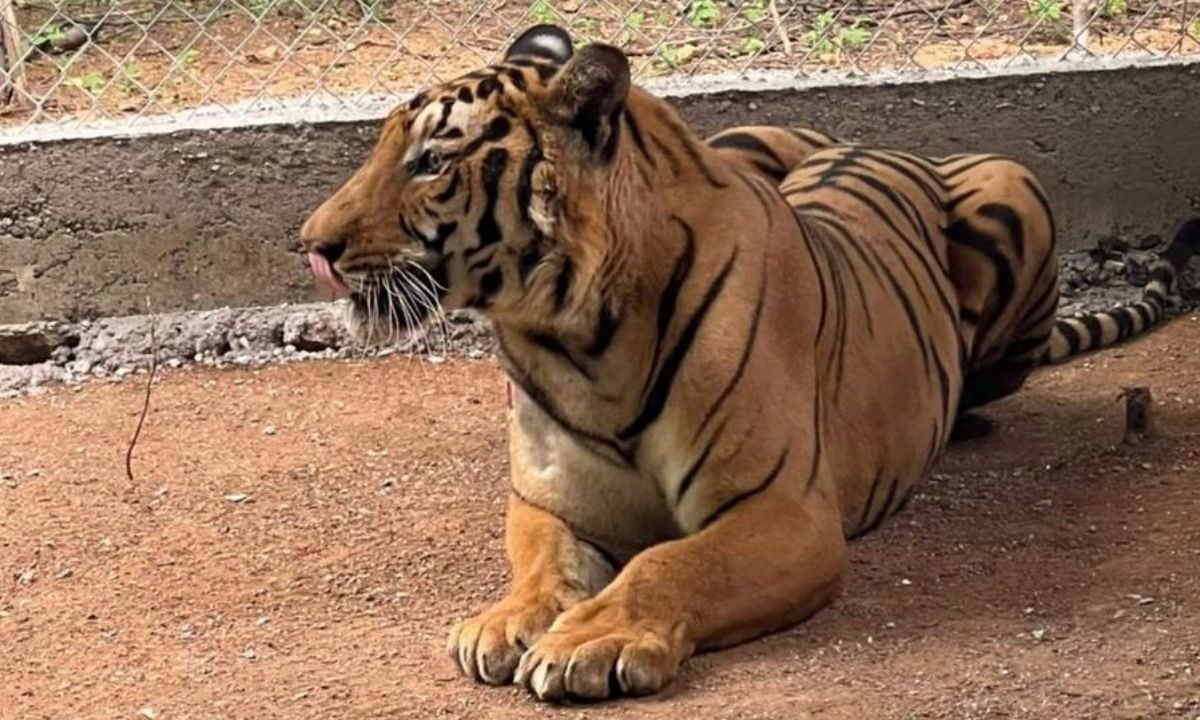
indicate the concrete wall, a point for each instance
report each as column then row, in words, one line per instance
column 203, row 219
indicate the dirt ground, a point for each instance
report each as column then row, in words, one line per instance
column 299, row 538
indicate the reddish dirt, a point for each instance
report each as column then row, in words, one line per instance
column 299, row 538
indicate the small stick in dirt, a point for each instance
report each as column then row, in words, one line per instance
column 780, row 29
column 145, row 400
column 1139, row 417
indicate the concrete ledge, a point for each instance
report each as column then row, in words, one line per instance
column 206, row 218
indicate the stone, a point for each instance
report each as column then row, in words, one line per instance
column 32, row 343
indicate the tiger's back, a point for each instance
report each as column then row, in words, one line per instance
column 966, row 241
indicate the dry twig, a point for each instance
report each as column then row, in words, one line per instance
column 145, row 400
column 780, row 29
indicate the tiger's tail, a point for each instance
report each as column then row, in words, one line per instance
column 1093, row 331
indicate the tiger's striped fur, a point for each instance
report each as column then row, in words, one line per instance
column 988, row 271
column 708, row 378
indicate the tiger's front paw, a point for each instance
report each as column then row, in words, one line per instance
column 596, row 651
column 487, row 647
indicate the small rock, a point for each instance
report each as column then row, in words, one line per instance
column 269, row 430
column 1038, row 634
column 238, row 497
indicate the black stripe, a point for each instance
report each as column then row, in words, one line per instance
column 488, row 229
column 934, row 277
column 862, row 520
column 694, row 470
column 974, row 163
column 562, row 284
column 497, row 129
column 892, row 161
column 1144, row 313
column 1037, row 192
column 1070, row 334
column 747, row 347
column 635, row 132
column 806, row 236
column 747, row 142
column 736, row 500
column 670, row 296
column 666, row 152
column 614, row 135
column 961, row 232
column 530, row 256
column 525, row 177
column 817, row 444
column 452, row 188
column 1005, row 215
column 552, row 345
column 693, row 153
column 883, row 509
column 489, row 285
column 575, row 530
column 906, row 303
column 764, row 201
column 762, row 167
column 1092, row 323
column 539, row 397
column 607, row 324
column 665, row 378
column 1123, row 317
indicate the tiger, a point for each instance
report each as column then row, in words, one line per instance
column 990, row 274
column 717, row 378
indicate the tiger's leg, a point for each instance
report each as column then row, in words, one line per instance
column 552, row 571
column 766, row 564
column 995, row 382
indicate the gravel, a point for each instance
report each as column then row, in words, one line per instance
column 115, row 348
column 35, row 355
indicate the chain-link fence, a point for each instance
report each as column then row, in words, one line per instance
column 93, row 60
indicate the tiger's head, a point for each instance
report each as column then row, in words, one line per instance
column 475, row 188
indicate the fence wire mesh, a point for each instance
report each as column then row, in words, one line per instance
column 95, row 60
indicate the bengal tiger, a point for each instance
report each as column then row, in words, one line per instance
column 714, row 388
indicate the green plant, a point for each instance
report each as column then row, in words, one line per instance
column 663, row 17
column 1044, row 11
column 818, row 38
column 1196, row 29
column 852, row 36
column 751, row 45
column 49, row 34
column 130, row 72
column 755, row 10
column 188, row 57
column 90, row 82
column 671, row 58
column 585, row 26
column 703, row 13
column 543, row 12
column 1114, row 8
column 634, row 20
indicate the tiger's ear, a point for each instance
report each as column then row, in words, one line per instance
column 587, row 94
column 548, row 42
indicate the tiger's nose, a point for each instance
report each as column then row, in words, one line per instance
column 331, row 251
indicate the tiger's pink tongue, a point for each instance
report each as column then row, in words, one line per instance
column 325, row 275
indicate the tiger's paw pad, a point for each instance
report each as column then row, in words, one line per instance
column 594, row 661
column 487, row 647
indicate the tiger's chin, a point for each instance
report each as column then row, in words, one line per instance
column 376, row 326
